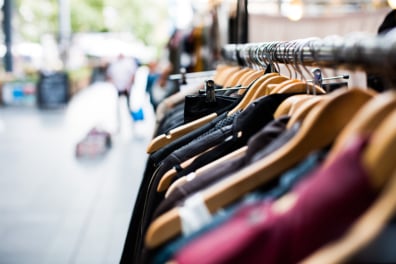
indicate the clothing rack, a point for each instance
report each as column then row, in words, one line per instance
column 356, row 51
column 223, row 134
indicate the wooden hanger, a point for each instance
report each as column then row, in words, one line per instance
column 380, row 151
column 257, row 84
column 234, row 79
column 318, row 130
column 221, row 77
column 262, row 78
column 365, row 121
column 271, row 87
column 262, row 90
column 164, row 139
column 297, row 104
column 253, row 76
column 237, row 153
column 291, row 103
column 298, row 87
column 304, row 110
column 224, row 73
column 379, row 157
column 247, row 98
column 250, row 77
column 167, row 178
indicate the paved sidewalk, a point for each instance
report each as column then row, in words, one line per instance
column 55, row 208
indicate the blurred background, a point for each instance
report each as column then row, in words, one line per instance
column 59, row 205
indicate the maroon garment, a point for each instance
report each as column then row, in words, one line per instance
column 327, row 203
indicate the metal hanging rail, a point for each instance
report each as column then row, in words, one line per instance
column 357, row 51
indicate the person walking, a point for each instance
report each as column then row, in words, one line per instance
column 121, row 73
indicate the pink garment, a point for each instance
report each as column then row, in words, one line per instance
column 328, row 201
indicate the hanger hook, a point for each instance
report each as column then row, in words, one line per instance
column 284, row 59
column 260, row 56
column 297, row 51
column 267, row 55
column 258, row 52
column 273, row 53
column 242, row 60
column 303, row 46
column 305, row 43
column 289, row 57
column 245, row 55
column 311, row 45
column 254, row 55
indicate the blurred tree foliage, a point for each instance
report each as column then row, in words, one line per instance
column 86, row 16
column 142, row 18
column 35, row 18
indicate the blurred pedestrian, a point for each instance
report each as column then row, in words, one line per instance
column 121, row 73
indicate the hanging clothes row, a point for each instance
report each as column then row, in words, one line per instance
column 261, row 165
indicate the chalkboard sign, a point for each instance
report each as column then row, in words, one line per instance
column 52, row 89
